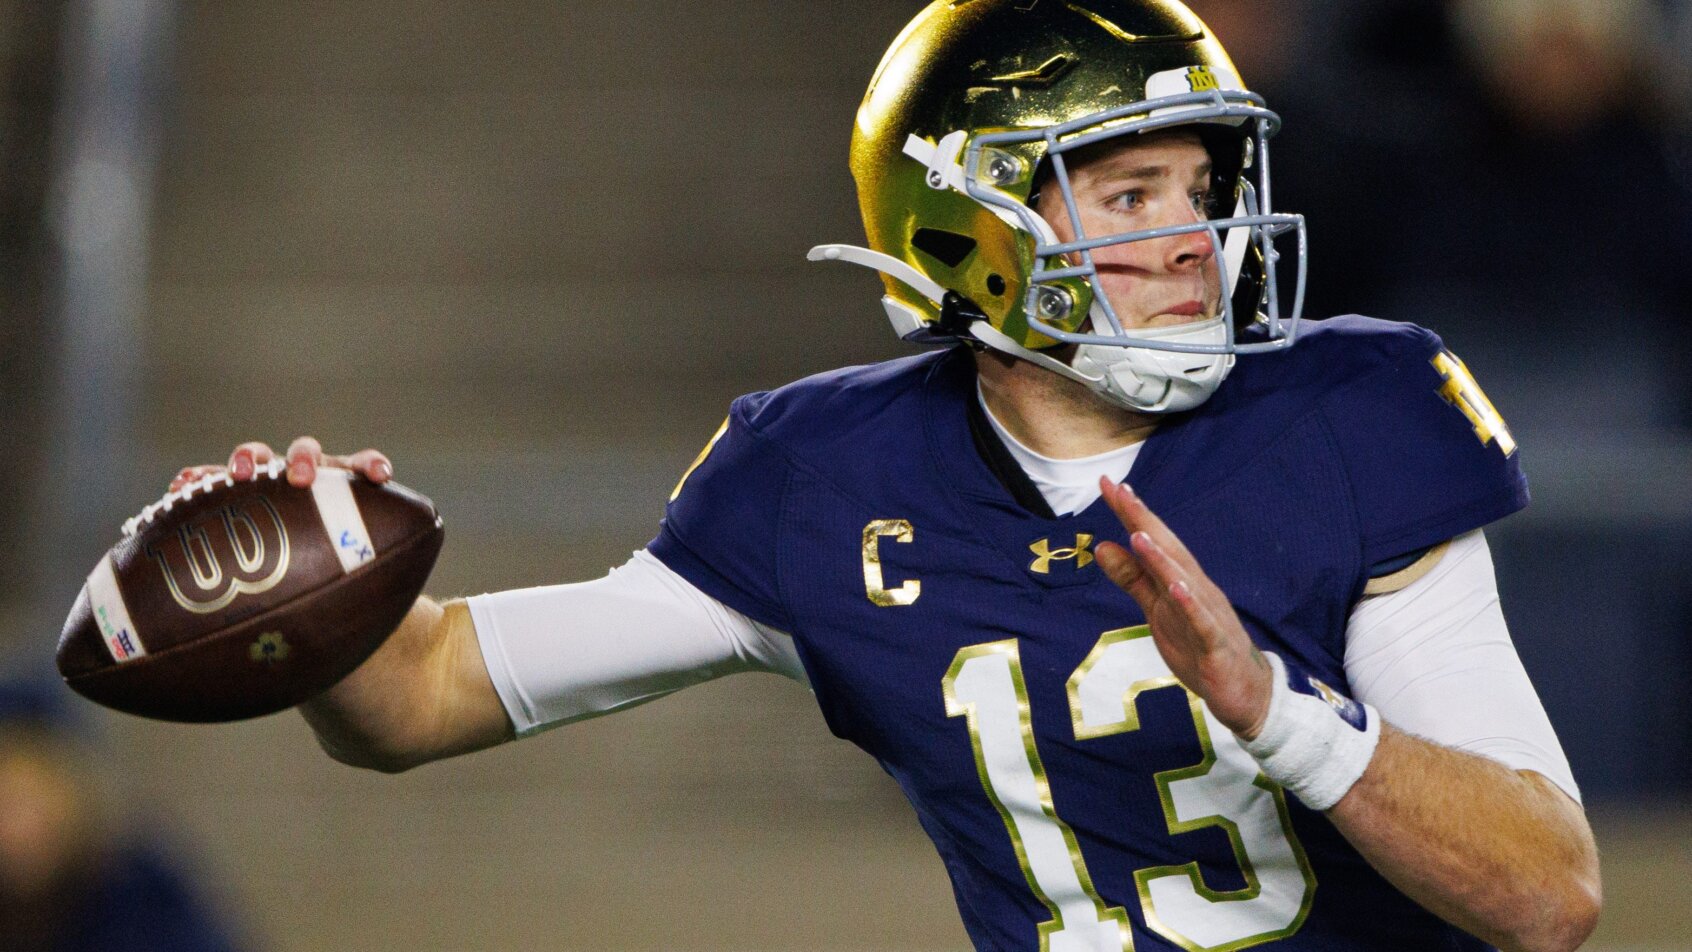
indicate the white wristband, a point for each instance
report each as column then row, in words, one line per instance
column 1315, row 741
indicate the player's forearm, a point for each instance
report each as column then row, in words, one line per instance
column 1502, row 854
column 417, row 699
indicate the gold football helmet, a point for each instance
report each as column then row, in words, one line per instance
column 977, row 102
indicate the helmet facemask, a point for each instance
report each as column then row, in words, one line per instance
column 1164, row 368
column 963, row 116
column 1246, row 237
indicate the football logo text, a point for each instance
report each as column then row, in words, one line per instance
column 120, row 640
column 239, row 549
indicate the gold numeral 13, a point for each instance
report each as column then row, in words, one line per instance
column 1224, row 789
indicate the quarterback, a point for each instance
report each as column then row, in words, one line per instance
column 1170, row 613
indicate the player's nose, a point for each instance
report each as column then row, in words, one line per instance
column 1190, row 250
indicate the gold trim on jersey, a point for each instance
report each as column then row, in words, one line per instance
column 697, row 460
column 1403, row 578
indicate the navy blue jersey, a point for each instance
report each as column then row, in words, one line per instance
column 1080, row 797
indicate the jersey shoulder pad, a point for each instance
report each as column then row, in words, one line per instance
column 1352, row 345
column 1427, row 454
column 822, row 416
column 722, row 527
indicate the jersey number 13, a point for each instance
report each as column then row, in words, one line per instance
column 1224, row 789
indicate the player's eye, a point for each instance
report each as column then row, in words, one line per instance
column 1129, row 201
column 1204, row 202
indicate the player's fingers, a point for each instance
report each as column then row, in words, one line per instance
column 1122, row 568
column 1195, row 609
column 359, row 462
column 1117, row 563
column 189, row 474
column 1184, row 590
column 1136, row 516
column 304, row 456
column 248, row 457
column 1152, row 524
column 373, row 464
column 1158, row 563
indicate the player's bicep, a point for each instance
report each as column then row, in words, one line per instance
column 1436, row 659
column 562, row 653
column 468, row 712
column 422, row 696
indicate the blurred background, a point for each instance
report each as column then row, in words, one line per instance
column 533, row 249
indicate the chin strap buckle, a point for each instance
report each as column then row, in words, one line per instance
column 958, row 317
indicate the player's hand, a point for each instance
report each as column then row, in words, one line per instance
column 1195, row 628
column 305, row 455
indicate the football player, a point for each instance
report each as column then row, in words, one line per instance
column 1175, row 634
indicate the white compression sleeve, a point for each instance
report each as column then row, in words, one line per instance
column 562, row 653
column 1435, row 658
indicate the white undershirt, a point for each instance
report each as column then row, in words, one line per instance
column 1069, row 485
column 1435, row 657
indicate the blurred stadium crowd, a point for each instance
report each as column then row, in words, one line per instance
column 1515, row 174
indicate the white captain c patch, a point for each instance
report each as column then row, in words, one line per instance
column 332, row 491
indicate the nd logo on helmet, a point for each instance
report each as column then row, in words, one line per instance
column 1201, row 80
column 239, row 549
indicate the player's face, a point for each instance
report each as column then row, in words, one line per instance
column 1129, row 184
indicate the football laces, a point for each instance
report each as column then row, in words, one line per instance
column 271, row 470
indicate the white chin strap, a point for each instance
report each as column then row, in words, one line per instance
column 1158, row 381
column 1135, row 378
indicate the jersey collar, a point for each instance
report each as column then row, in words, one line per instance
column 982, row 480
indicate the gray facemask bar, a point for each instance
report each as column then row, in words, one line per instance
column 1265, row 225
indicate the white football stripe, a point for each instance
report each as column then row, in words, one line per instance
column 332, row 489
column 110, row 613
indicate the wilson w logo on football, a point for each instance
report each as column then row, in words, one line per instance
column 247, row 597
column 237, row 549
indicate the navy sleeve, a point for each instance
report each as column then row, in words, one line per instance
column 1427, row 455
column 721, row 528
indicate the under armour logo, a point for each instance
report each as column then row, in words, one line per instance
column 1045, row 555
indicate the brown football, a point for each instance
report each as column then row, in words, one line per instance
column 228, row 600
